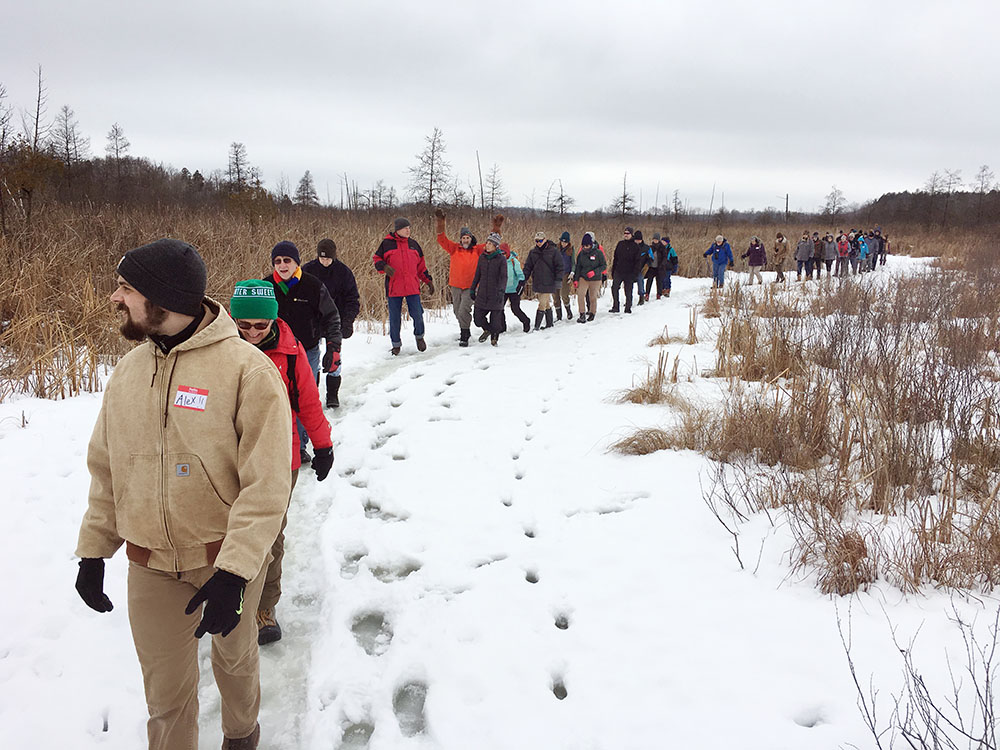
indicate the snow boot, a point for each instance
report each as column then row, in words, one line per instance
column 494, row 338
column 615, row 309
column 464, row 340
column 421, row 344
column 268, row 629
column 548, row 318
column 527, row 325
column 483, row 336
column 250, row 742
column 332, row 391
column 538, row 319
column 590, row 316
column 394, row 351
column 559, row 313
column 582, row 318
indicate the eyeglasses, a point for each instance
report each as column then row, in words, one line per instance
column 246, row 325
column 539, row 242
column 283, row 260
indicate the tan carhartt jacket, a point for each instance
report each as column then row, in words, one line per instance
column 191, row 449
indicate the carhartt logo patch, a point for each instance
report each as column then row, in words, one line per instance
column 183, row 470
column 189, row 397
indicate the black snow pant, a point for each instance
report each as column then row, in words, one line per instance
column 653, row 274
column 615, row 286
column 515, row 305
column 489, row 320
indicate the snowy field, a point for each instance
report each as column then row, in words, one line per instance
column 479, row 572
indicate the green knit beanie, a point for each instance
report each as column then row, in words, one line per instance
column 253, row 299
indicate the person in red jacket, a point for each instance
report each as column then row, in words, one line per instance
column 255, row 309
column 401, row 259
column 462, row 268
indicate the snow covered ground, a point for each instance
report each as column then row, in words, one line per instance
column 480, row 573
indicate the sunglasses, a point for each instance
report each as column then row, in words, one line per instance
column 246, row 325
column 539, row 242
column 284, row 260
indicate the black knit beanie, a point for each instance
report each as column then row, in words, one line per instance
column 169, row 273
column 285, row 249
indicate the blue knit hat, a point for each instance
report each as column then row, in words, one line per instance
column 564, row 237
column 285, row 249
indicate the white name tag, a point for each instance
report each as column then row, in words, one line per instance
column 189, row 397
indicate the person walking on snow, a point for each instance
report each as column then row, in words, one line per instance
column 669, row 266
column 255, row 310
column 625, row 265
column 803, row 254
column 780, row 257
column 589, row 273
column 544, row 267
column 343, row 288
column 829, row 253
column 189, row 465
column 843, row 253
column 401, row 260
column 515, row 285
column 756, row 256
column 722, row 257
column 489, row 290
column 306, row 305
column 565, row 290
column 653, row 273
column 464, row 256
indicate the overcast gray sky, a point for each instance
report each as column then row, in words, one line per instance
column 760, row 98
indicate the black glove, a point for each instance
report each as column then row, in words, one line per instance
column 389, row 271
column 322, row 462
column 223, row 597
column 520, row 287
column 90, row 584
column 331, row 358
column 472, row 294
column 347, row 330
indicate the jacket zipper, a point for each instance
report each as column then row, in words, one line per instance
column 164, row 395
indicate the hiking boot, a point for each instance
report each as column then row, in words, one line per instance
column 494, row 338
column 613, row 309
column 483, row 336
column 590, row 316
column 464, row 340
column 666, row 293
column 527, row 325
column 249, row 742
column 268, row 629
column 395, row 350
column 304, row 457
column 582, row 318
column 647, row 299
column 332, row 391
column 421, row 344
column 628, row 310
column 642, row 300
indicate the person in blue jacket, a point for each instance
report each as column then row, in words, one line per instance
column 722, row 256
column 515, row 284
column 668, row 267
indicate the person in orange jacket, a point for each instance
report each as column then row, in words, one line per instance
column 462, row 268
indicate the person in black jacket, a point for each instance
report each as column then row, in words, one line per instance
column 545, row 269
column 489, row 290
column 343, row 288
column 307, row 307
column 626, row 264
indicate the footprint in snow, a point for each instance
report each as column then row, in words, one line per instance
column 507, row 501
column 372, row 632
column 529, row 532
column 396, row 403
column 416, row 374
column 519, row 475
column 559, row 688
column 399, row 456
column 531, row 576
column 562, row 621
column 396, row 572
column 809, row 717
column 349, row 568
column 359, row 483
column 356, row 735
column 408, row 705
column 374, row 510
column 449, row 381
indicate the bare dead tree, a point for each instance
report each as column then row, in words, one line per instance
column 984, row 183
column 430, row 176
column 495, row 193
column 36, row 127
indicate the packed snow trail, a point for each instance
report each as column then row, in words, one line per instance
column 479, row 572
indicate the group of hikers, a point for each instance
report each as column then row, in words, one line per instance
column 484, row 278
column 204, row 427
column 859, row 250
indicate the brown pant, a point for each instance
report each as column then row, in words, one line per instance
column 272, row 579
column 544, row 300
column 565, row 291
column 168, row 655
column 585, row 288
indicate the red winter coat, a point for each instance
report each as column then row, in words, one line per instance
column 406, row 258
column 310, row 410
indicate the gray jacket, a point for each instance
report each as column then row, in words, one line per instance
column 804, row 250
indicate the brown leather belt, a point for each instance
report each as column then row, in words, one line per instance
column 140, row 555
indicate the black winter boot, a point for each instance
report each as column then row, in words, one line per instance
column 464, row 340
column 548, row 318
column 538, row 319
column 559, row 313
column 332, row 391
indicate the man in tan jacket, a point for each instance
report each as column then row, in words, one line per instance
column 189, row 469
